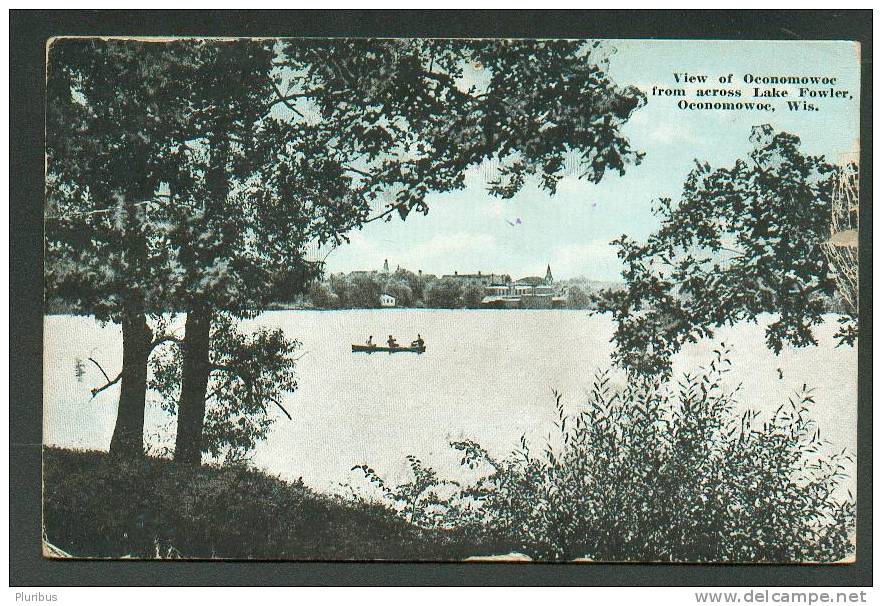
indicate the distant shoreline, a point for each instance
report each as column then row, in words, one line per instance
column 57, row 313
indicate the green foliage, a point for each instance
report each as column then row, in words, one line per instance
column 98, row 506
column 406, row 121
column 320, row 295
column 577, row 298
column 445, row 293
column 250, row 375
column 742, row 241
column 422, row 501
column 660, row 472
column 471, row 296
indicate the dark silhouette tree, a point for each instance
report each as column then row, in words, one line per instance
column 741, row 242
column 112, row 108
column 274, row 149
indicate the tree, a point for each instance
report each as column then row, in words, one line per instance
column 577, row 298
column 248, row 373
column 112, row 107
column 399, row 289
column 471, row 296
column 233, row 245
column 416, row 283
column 320, row 296
column 446, row 293
column 742, row 241
column 284, row 146
column 122, row 129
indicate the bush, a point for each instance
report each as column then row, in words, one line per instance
column 662, row 473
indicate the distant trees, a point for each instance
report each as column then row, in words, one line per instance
column 444, row 293
column 577, row 298
column 471, row 296
column 742, row 241
column 400, row 289
column 320, row 295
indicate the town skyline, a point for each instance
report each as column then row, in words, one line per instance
column 456, row 273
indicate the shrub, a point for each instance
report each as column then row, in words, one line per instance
column 662, row 472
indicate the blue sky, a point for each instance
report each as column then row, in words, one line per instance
column 469, row 230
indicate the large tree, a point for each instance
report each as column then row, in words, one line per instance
column 742, row 241
column 357, row 130
column 112, row 107
column 292, row 145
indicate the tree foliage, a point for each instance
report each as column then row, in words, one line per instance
column 742, row 241
column 190, row 175
column 445, row 293
column 250, row 375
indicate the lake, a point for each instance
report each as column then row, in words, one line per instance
column 486, row 375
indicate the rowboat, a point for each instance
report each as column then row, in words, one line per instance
column 375, row 348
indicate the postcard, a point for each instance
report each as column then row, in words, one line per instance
column 426, row 299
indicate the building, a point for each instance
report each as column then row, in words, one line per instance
column 480, row 278
column 535, row 285
column 530, row 292
column 387, row 300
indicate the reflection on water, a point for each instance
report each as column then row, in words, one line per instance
column 486, row 375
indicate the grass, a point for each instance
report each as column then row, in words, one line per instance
column 97, row 506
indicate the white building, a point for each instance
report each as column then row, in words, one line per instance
column 387, row 300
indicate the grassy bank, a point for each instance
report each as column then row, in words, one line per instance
column 95, row 506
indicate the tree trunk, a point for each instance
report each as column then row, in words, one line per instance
column 128, row 434
column 194, row 383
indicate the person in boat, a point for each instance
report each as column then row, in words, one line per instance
column 392, row 343
column 418, row 342
column 370, row 341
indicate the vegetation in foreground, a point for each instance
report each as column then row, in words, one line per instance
column 96, row 505
column 652, row 473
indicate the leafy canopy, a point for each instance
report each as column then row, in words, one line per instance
column 742, row 241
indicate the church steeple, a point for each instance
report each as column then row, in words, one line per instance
column 548, row 277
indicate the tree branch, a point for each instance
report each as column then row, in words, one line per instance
column 97, row 390
column 165, row 339
column 95, row 362
column 386, row 212
column 282, row 408
column 283, row 99
column 250, row 385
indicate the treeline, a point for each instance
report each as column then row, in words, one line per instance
column 362, row 290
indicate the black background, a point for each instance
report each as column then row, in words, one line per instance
column 29, row 31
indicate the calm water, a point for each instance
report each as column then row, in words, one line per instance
column 487, row 375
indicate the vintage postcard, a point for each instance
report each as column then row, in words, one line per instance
column 451, row 299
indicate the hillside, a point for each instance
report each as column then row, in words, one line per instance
column 97, row 507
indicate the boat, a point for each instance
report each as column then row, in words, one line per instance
column 377, row 348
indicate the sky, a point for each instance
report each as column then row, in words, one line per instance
column 470, row 230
